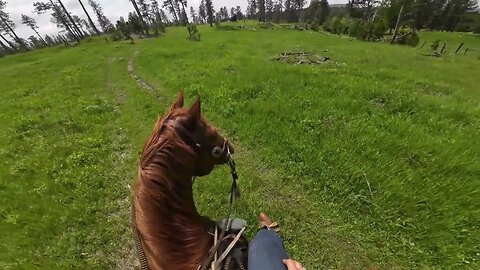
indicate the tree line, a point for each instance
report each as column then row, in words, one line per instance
column 73, row 27
column 149, row 17
column 372, row 19
column 448, row 15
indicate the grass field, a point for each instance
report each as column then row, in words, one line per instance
column 369, row 160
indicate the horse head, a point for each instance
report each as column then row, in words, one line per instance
column 210, row 147
column 171, row 233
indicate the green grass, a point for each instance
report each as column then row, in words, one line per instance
column 369, row 160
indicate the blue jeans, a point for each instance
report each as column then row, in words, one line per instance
column 266, row 252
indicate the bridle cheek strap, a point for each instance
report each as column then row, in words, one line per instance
column 216, row 151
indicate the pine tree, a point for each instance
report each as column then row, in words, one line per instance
column 261, row 10
column 144, row 8
column 35, row 42
column 453, row 12
column 30, row 22
column 297, row 8
column 182, row 4
column 317, row 11
column 194, row 15
column 70, row 18
column 324, row 11
column 202, row 11
column 164, row 17
column 277, row 11
column 49, row 40
column 155, row 11
column 58, row 16
column 210, row 11
column 252, row 9
column 92, row 24
column 222, row 15
column 5, row 48
column 268, row 9
column 238, row 12
column 143, row 24
column 363, row 8
column 289, row 15
column 80, row 23
column 104, row 22
column 156, row 14
column 169, row 5
column 12, row 46
column 135, row 22
column 7, row 26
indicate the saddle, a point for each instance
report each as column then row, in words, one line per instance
column 234, row 244
column 230, row 249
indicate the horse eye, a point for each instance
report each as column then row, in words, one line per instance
column 217, row 152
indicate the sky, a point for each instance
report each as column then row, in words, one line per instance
column 113, row 9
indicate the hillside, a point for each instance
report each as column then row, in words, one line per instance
column 369, row 159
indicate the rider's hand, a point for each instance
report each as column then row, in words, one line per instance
column 293, row 265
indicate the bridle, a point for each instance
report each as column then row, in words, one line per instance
column 216, row 152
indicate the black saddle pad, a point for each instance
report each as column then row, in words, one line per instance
column 237, row 258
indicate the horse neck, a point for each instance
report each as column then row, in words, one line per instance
column 167, row 218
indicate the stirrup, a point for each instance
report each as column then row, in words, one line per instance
column 272, row 227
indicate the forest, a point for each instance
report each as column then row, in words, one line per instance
column 362, row 19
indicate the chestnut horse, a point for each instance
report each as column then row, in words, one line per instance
column 172, row 234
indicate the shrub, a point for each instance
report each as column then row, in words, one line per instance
column 315, row 25
column 476, row 29
column 377, row 29
column 343, row 25
column 435, row 44
column 328, row 25
column 411, row 39
column 337, row 25
column 193, row 33
column 357, row 29
column 367, row 30
column 266, row 25
column 333, row 25
column 117, row 35
column 158, row 28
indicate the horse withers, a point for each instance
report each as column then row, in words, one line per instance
column 171, row 234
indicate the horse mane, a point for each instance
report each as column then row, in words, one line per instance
column 172, row 233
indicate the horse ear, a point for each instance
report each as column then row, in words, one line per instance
column 195, row 111
column 179, row 102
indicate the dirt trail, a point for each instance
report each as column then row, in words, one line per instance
column 131, row 70
column 125, row 257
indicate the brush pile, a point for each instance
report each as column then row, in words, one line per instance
column 298, row 58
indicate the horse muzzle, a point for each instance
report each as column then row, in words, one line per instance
column 224, row 153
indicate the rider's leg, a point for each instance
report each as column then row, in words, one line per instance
column 266, row 250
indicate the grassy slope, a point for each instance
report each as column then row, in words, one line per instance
column 64, row 175
column 370, row 161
